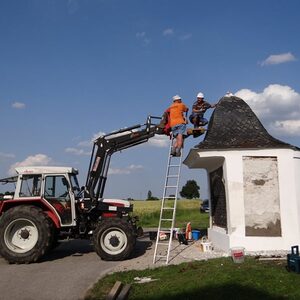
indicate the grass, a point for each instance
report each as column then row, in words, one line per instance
column 187, row 211
column 213, row 279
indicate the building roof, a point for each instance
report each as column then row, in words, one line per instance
column 233, row 124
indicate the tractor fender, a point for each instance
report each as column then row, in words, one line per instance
column 38, row 202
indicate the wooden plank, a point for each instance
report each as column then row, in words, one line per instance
column 114, row 291
column 124, row 292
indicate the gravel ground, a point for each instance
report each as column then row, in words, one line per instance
column 180, row 253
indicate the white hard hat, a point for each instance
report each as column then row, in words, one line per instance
column 176, row 97
column 200, row 95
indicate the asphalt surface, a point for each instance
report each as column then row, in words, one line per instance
column 64, row 274
column 69, row 271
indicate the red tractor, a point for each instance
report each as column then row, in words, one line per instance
column 48, row 205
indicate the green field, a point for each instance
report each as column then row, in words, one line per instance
column 187, row 211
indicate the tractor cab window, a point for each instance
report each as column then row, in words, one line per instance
column 75, row 186
column 57, row 194
column 30, row 186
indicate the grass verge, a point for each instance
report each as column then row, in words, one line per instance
column 213, row 279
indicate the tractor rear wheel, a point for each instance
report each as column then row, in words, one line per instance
column 25, row 234
column 114, row 239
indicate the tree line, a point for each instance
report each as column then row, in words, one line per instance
column 189, row 191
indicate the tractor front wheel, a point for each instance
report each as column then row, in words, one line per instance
column 114, row 239
column 25, row 234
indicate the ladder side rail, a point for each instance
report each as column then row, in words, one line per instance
column 162, row 203
column 175, row 207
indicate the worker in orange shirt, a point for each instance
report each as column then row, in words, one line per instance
column 178, row 124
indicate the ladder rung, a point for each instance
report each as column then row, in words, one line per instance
column 168, row 208
column 167, row 219
column 174, row 165
column 164, row 229
column 172, row 176
column 165, row 244
column 171, row 186
column 161, row 256
column 171, row 197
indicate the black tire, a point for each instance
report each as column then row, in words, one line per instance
column 25, row 234
column 114, row 239
column 53, row 243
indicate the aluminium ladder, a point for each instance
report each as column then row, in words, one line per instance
column 168, row 208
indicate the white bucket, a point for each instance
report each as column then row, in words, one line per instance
column 206, row 246
column 237, row 254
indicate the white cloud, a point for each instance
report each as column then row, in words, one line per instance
column 291, row 127
column 140, row 34
column 186, row 36
column 128, row 170
column 80, row 149
column 168, row 32
column 33, row 160
column 77, row 151
column 97, row 135
column 6, row 156
column 276, row 59
column 91, row 141
column 85, row 144
column 277, row 106
column 72, row 6
column 18, row 105
column 143, row 37
column 160, row 141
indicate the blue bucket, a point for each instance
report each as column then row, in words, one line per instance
column 195, row 234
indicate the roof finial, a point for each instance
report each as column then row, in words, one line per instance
column 228, row 94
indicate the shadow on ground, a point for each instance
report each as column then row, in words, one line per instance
column 142, row 245
column 221, row 292
column 81, row 247
column 69, row 248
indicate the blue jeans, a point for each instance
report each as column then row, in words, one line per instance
column 179, row 129
column 200, row 120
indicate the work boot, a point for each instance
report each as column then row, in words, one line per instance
column 178, row 153
column 173, row 151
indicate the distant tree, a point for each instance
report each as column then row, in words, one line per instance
column 190, row 190
column 150, row 197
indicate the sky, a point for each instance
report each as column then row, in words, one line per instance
column 71, row 70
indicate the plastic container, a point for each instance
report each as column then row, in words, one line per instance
column 238, row 254
column 195, row 235
column 206, row 245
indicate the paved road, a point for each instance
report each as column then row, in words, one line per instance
column 64, row 274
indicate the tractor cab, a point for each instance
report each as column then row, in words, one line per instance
column 51, row 187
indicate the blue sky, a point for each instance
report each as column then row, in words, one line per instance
column 71, row 69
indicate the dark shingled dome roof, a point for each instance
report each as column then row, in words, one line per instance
column 234, row 125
